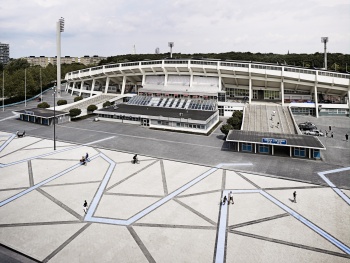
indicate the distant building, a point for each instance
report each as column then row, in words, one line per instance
column 44, row 61
column 4, row 53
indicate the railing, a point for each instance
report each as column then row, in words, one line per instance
column 216, row 63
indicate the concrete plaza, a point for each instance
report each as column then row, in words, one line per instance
column 161, row 210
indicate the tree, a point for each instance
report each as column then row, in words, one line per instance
column 92, row 108
column 236, row 120
column 78, row 98
column 74, row 112
column 61, row 102
column 107, row 104
column 225, row 129
column 43, row 105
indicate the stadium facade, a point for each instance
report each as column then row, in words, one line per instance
column 229, row 83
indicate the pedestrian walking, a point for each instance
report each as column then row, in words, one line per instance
column 346, row 137
column 85, row 207
column 87, row 157
column 224, row 200
column 330, row 127
column 295, row 196
column 82, row 161
column 332, row 135
column 326, row 133
column 231, row 198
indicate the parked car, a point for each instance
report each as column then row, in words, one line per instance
column 314, row 133
column 307, row 126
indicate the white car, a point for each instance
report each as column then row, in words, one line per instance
column 314, row 133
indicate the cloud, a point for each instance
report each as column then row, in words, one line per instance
column 111, row 27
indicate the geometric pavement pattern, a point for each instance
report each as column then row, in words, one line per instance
column 159, row 210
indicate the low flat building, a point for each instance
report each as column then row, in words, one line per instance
column 43, row 116
column 293, row 145
column 196, row 121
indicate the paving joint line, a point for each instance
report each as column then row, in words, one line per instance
column 165, row 187
column 141, row 245
column 258, row 221
column 195, row 212
column 30, row 172
column 57, row 250
column 126, row 178
column 279, row 241
column 42, row 223
column 60, row 204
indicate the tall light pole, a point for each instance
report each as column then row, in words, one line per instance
column 59, row 29
column 324, row 40
column 25, row 88
column 171, row 44
column 54, row 117
column 3, row 90
column 41, row 87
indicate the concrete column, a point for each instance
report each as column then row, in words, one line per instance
column 250, row 86
column 107, row 85
column 66, row 88
column 272, row 149
column 220, row 85
column 123, row 85
column 254, row 147
column 282, row 92
column 81, row 87
column 166, row 79
column 349, row 100
column 250, row 90
column 309, row 153
column 290, row 151
column 143, row 79
column 316, row 100
column 92, row 86
column 73, row 88
column 237, row 146
column 191, row 80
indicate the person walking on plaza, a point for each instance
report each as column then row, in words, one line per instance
column 332, row 135
column 231, row 198
column 295, row 196
column 346, row 137
column 85, row 207
column 87, row 157
column 224, row 200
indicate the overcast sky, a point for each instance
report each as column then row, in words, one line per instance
column 113, row 27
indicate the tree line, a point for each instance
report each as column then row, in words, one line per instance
column 336, row 61
column 18, row 73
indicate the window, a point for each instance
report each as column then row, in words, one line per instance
column 246, row 147
column 264, row 149
column 299, row 152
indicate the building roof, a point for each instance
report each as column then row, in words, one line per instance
column 294, row 140
column 158, row 111
column 44, row 113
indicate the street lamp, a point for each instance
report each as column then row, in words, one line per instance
column 3, row 90
column 171, row 45
column 324, row 40
column 54, row 117
column 59, row 29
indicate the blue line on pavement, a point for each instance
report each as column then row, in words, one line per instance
column 336, row 189
column 28, row 190
column 7, row 142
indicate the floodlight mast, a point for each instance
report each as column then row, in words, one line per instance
column 171, row 44
column 59, row 29
column 324, row 40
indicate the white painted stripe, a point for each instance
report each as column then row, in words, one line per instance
column 220, row 247
column 327, row 236
column 335, row 189
column 7, row 142
column 54, row 152
column 28, row 190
